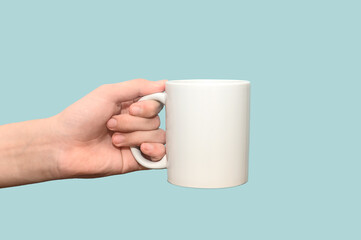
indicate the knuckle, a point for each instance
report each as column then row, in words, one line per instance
column 139, row 80
column 156, row 122
column 160, row 149
column 159, row 106
column 133, row 139
column 161, row 135
column 150, row 107
column 143, row 105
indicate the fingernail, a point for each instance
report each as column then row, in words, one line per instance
column 148, row 147
column 136, row 110
column 112, row 123
column 117, row 139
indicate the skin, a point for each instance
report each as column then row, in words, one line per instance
column 90, row 138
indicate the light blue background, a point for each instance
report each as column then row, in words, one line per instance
column 303, row 61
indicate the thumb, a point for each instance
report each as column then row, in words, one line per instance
column 125, row 91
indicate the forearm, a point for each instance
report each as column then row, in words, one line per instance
column 27, row 153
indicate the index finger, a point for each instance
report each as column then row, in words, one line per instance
column 146, row 108
column 129, row 90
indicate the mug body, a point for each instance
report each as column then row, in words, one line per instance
column 207, row 132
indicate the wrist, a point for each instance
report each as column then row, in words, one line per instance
column 61, row 148
column 50, row 148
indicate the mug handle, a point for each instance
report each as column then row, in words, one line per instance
column 160, row 97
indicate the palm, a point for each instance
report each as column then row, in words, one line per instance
column 90, row 152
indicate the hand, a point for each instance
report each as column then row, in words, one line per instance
column 88, row 146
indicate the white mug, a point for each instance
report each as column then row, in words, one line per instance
column 207, row 132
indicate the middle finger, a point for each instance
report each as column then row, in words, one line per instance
column 128, row 123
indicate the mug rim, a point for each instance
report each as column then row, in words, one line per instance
column 207, row 81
